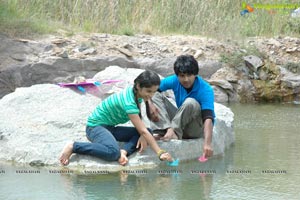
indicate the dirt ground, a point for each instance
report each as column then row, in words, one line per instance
column 280, row 50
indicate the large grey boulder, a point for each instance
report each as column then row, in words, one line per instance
column 291, row 84
column 37, row 121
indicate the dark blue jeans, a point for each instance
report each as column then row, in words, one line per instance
column 104, row 142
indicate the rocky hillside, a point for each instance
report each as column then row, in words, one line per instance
column 272, row 75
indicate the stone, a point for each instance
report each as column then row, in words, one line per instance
column 37, row 121
column 221, row 83
column 124, row 51
column 208, row 67
column 89, row 51
column 162, row 66
column 291, row 50
column 226, row 73
column 26, row 62
column 198, row 53
column 263, row 75
column 253, row 62
column 221, row 95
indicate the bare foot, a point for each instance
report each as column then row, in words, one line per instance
column 66, row 153
column 123, row 160
column 170, row 135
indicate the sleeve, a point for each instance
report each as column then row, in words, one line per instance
column 207, row 114
column 207, row 104
column 128, row 103
column 207, row 98
column 131, row 109
column 167, row 83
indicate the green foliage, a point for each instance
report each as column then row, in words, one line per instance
column 14, row 23
column 292, row 26
column 235, row 59
column 214, row 18
column 293, row 67
column 126, row 31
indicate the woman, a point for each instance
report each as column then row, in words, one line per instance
column 119, row 108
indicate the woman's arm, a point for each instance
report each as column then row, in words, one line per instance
column 143, row 131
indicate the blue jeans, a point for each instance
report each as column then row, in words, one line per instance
column 104, row 141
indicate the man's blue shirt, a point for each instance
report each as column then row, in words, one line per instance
column 202, row 92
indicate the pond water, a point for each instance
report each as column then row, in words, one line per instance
column 262, row 164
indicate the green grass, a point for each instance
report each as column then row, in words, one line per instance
column 14, row 23
column 214, row 18
column 235, row 59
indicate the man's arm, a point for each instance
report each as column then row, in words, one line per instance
column 208, row 130
column 207, row 117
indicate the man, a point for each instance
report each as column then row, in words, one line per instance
column 194, row 115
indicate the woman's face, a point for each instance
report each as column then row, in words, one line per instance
column 146, row 93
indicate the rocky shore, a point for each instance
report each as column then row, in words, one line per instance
column 271, row 76
column 38, row 117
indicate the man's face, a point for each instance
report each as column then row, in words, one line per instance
column 186, row 80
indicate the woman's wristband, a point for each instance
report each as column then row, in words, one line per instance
column 160, row 152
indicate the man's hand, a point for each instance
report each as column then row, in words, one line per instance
column 142, row 144
column 152, row 111
column 207, row 150
column 169, row 135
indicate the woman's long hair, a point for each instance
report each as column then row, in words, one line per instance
column 146, row 79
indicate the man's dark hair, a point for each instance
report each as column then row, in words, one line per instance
column 186, row 64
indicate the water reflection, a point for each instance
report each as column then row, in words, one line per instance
column 267, row 143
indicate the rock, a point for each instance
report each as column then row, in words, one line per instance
column 263, row 75
column 245, row 90
column 64, row 54
column 208, row 67
column 291, row 80
column 26, row 62
column 18, row 57
column 37, row 121
column 162, row 66
column 291, row 50
column 56, row 69
column 221, row 83
column 185, row 49
column 221, row 95
column 274, row 42
column 125, row 52
column 81, row 48
column 253, row 62
column 293, row 67
column 226, row 73
column 61, row 42
column 198, row 53
column 89, row 51
column 224, row 91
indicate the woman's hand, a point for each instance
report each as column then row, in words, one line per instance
column 166, row 156
column 142, row 144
